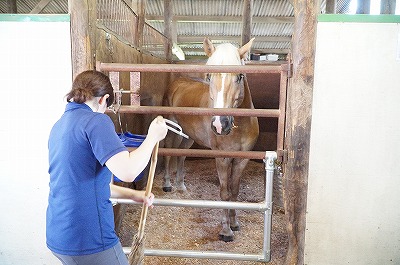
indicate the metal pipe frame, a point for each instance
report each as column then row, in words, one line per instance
column 265, row 207
column 186, row 68
column 269, row 159
column 212, row 153
column 275, row 113
column 283, row 69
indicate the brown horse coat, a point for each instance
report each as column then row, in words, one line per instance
column 217, row 133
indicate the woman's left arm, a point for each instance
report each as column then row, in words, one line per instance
column 119, row 192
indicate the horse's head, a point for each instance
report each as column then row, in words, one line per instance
column 226, row 89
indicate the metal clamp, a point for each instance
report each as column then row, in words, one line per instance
column 117, row 101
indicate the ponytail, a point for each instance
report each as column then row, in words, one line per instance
column 90, row 84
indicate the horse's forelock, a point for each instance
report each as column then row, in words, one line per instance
column 225, row 54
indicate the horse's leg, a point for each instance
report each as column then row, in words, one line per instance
column 180, row 166
column 238, row 166
column 171, row 141
column 167, row 186
column 223, row 169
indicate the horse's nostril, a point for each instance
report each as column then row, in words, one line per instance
column 222, row 125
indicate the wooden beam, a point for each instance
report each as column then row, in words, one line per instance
column 298, row 126
column 247, row 21
column 388, row 7
column 255, row 50
column 271, row 50
column 83, row 26
column 199, row 39
column 168, row 16
column 330, row 6
column 140, row 25
column 363, row 6
column 12, row 6
column 40, row 6
column 223, row 19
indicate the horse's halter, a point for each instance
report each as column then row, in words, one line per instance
column 226, row 91
column 239, row 81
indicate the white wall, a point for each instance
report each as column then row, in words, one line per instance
column 353, row 205
column 36, row 73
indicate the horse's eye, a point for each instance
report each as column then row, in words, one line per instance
column 208, row 77
column 239, row 78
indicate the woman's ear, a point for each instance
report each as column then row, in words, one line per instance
column 103, row 99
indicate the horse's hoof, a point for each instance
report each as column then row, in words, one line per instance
column 181, row 188
column 235, row 228
column 167, row 189
column 225, row 238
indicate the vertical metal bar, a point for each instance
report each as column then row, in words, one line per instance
column 135, row 88
column 270, row 158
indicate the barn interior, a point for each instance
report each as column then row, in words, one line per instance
column 272, row 24
column 120, row 22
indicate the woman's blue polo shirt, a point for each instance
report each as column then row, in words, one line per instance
column 80, row 218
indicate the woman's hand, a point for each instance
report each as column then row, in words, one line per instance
column 139, row 196
column 158, row 129
column 136, row 195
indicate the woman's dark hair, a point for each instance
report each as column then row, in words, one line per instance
column 89, row 84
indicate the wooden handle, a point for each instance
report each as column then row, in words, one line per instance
column 149, row 186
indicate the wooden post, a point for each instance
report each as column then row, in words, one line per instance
column 298, row 126
column 330, row 7
column 140, row 25
column 12, row 6
column 83, row 27
column 168, row 17
column 247, row 20
column 363, row 6
column 40, row 6
column 388, row 7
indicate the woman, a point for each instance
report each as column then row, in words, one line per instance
column 84, row 152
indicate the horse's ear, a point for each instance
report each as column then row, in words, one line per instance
column 208, row 47
column 245, row 49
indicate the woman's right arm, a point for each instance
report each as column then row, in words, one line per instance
column 128, row 165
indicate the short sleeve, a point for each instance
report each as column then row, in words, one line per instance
column 103, row 139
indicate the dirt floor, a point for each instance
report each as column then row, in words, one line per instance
column 197, row 229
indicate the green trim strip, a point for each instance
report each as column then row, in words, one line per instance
column 359, row 18
column 35, row 18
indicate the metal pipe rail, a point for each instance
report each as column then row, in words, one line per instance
column 265, row 207
column 135, row 70
column 251, row 206
column 203, row 254
column 212, row 153
column 192, row 68
column 274, row 113
column 269, row 158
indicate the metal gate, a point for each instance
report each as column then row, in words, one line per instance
column 269, row 157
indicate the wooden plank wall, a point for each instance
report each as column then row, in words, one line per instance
column 90, row 43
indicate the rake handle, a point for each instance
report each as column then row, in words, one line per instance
column 149, row 186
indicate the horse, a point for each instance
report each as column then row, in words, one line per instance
column 218, row 90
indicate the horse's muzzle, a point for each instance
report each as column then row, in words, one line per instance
column 222, row 125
